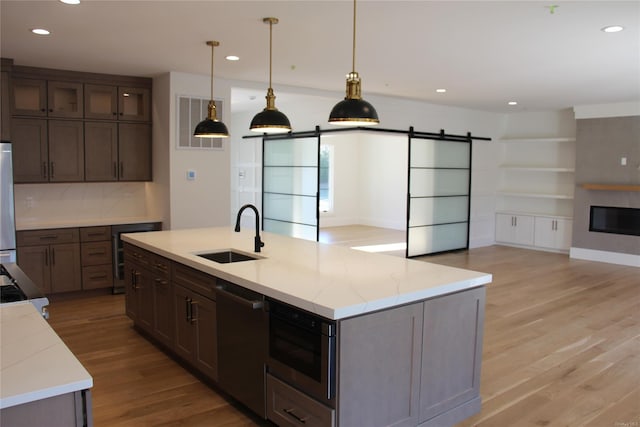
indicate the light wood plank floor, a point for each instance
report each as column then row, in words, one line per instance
column 561, row 348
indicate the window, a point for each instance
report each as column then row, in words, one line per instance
column 326, row 178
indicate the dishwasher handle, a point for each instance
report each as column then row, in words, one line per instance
column 253, row 304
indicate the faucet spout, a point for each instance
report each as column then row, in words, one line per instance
column 256, row 241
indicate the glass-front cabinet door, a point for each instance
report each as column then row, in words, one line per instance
column 41, row 98
column 100, row 102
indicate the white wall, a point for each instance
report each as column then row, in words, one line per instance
column 204, row 201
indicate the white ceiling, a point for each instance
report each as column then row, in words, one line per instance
column 484, row 53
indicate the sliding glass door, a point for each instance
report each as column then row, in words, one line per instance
column 438, row 201
column 290, row 185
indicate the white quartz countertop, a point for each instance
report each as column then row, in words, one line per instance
column 333, row 281
column 34, row 362
column 39, row 224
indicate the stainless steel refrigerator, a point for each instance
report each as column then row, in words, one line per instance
column 7, row 211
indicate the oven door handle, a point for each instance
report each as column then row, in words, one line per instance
column 252, row 304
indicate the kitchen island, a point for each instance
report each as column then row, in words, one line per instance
column 41, row 381
column 408, row 334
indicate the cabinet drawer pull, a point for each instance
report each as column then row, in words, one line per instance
column 53, row 256
column 193, row 318
column 96, row 253
column 49, row 237
column 96, row 234
column 44, row 170
column 97, row 277
column 46, row 256
column 295, row 416
column 52, row 169
column 161, row 282
column 121, row 169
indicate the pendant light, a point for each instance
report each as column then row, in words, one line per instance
column 270, row 120
column 211, row 127
column 353, row 110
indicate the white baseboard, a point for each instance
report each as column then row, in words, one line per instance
column 605, row 256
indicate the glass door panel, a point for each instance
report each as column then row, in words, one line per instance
column 290, row 186
column 439, row 191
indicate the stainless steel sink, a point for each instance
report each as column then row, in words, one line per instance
column 225, row 257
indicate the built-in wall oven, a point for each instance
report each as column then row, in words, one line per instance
column 302, row 350
column 118, row 249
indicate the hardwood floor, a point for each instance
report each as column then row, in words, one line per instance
column 561, row 348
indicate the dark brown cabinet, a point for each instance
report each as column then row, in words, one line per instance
column 117, row 151
column 148, row 293
column 42, row 98
column 47, row 150
column 97, row 257
column 77, row 127
column 51, row 258
column 106, row 102
column 30, row 150
column 194, row 299
column 5, row 107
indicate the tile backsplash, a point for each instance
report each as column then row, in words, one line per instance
column 79, row 201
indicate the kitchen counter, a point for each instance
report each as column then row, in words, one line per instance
column 22, row 225
column 332, row 281
column 34, row 362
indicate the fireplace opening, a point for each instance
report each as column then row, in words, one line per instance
column 606, row 219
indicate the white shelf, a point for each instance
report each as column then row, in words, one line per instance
column 535, row 195
column 537, row 168
column 537, row 140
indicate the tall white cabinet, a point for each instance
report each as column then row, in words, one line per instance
column 535, row 193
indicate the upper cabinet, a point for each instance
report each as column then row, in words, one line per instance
column 42, row 98
column 72, row 126
column 106, row 102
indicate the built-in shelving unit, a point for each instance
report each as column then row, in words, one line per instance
column 535, row 192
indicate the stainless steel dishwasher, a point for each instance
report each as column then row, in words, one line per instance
column 242, row 344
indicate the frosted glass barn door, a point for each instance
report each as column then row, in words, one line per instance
column 438, row 202
column 290, row 186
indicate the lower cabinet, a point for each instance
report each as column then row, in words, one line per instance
column 51, row 258
column 65, row 410
column 553, row 233
column 97, row 257
column 196, row 330
column 148, row 294
column 288, row 407
column 535, row 231
column 195, row 321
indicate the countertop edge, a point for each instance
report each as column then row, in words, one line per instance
column 339, row 313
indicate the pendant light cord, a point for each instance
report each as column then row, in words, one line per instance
column 353, row 63
column 212, row 47
column 270, row 49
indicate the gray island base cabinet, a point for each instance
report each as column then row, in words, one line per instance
column 415, row 363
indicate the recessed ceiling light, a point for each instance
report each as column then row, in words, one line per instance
column 512, row 102
column 612, row 29
column 441, row 90
column 232, row 58
column 70, row 1
column 40, row 31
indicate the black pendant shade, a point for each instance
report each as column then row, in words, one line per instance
column 270, row 120
column 211, row 127
column 353, row 110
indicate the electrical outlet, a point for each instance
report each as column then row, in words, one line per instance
column 623, row 161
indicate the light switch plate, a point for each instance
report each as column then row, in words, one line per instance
column 191, row 175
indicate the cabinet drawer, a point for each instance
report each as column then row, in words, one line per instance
column 195, row 280
column 287, row 406
column 97, row 276
column 95, row 234
column 160, row 266
column 137, row 256
column 47, row 236
column 96, row 253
